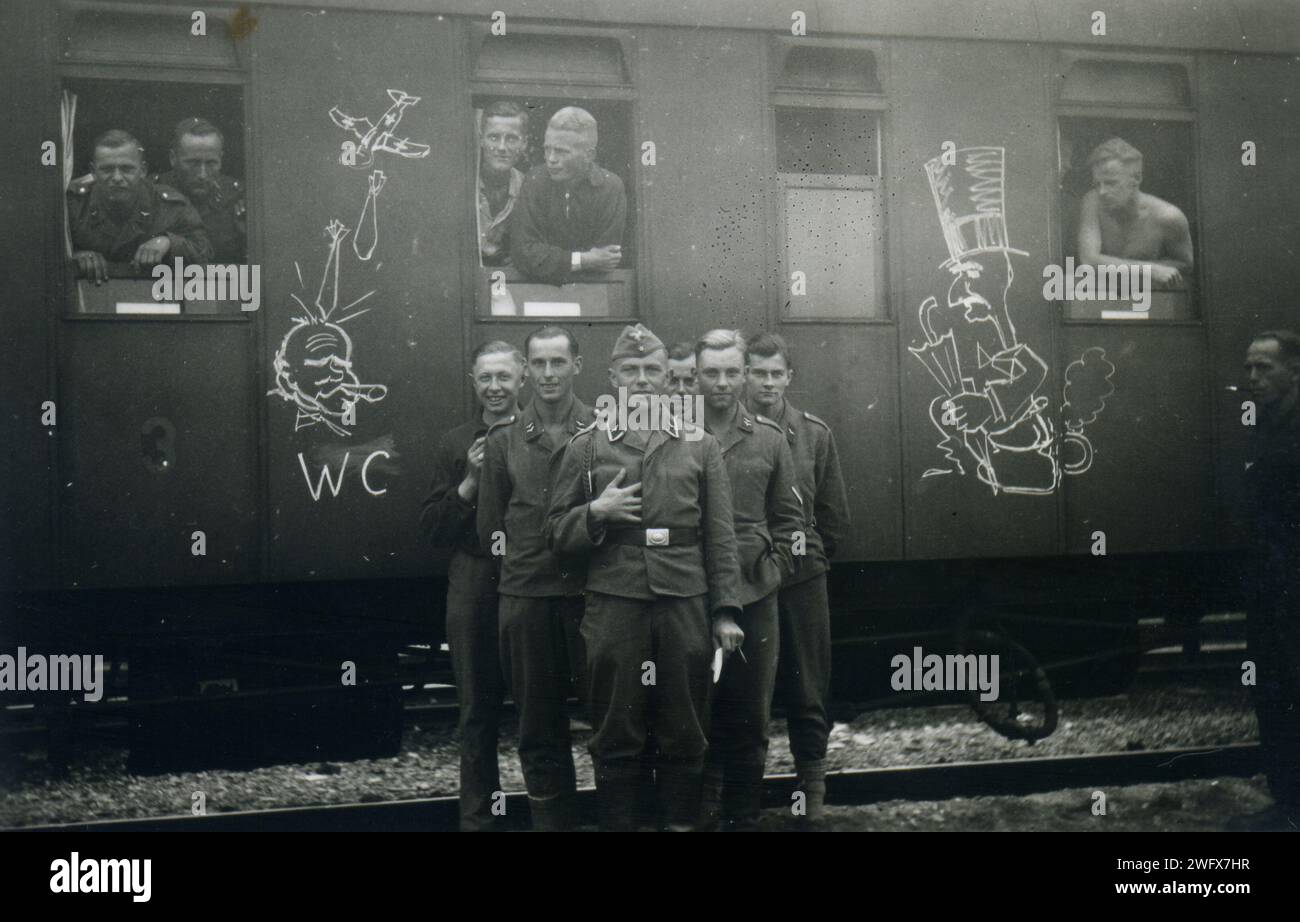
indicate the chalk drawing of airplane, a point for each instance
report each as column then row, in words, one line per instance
column 373, row 138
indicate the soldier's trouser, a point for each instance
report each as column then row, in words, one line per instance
column 648, row 669
column 535, row 659
column 472, row 637
column 804, row 668
column 1273, row 640
column 741, row 709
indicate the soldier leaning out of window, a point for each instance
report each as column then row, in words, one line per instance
column 116, row 214
column 197, row 150
column 571, row 212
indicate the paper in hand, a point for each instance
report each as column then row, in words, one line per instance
column 717, row 665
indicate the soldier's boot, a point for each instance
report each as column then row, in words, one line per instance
column 550, row 814
column 617, row 792
column 812, row 782
column 680, row 787
column 742, row 797
column 710, row 812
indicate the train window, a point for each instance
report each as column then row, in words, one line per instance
column 832, row 230
column 166, row 182
column 1112, row 82
column 530, row 222
column 1125, row 138
column 822, row 67
column 540, row 55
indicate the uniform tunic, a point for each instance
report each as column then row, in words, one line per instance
column 649, row 604
column 224, row 214
column 446, row 520
column 768, row 513
column 541, row 605
column 157, row 210
column 804, row 666
column 1273, row 623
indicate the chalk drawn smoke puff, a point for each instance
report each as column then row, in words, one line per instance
column 313, row 366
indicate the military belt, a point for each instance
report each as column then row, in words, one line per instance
column 652, row 537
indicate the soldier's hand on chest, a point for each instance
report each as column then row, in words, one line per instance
column 617, row 504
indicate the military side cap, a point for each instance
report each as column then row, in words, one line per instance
column 635, row 341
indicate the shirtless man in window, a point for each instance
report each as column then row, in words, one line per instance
column 1119, row 224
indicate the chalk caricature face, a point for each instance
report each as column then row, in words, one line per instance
column 313, row 367
column 971, row 279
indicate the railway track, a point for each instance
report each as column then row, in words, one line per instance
column 847, row 788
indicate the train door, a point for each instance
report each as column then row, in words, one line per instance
column 157, row 384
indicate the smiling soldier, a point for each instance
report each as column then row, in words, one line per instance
column 541, row 596
column 768, row 513
column 448, row 520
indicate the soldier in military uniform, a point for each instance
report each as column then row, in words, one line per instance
column 651, row 509
column 804, row 666
column 541, row 596
column 115, row 214
column 768, row 513
column 447, row 520
column 1273, row 619
column 196, row 154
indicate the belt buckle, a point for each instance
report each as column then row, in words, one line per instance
column 656, row 537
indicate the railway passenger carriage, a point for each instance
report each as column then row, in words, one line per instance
column 775, row 181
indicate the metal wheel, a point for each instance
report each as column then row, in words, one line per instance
column 1025, row 707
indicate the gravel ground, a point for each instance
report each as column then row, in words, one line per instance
column 99, row 788
column 1203, row 805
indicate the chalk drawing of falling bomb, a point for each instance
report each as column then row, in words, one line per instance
column 375, row 137
column 313, row 366
column 991, row 410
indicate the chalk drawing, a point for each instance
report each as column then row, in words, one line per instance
column 368, row 222
column 372, row 137
column 313, row 366
column 990, row 411
column 1088, row 382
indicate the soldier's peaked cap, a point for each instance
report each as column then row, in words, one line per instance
column 635, row 341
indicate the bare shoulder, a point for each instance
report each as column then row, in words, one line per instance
column 1166, row 214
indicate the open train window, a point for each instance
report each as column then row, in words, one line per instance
column 1127, row 186
column 554, row 240
column 828, row 100
column 184, row 185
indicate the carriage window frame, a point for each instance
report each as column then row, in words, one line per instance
column 623, row 286
column 227, row 68
column 1066, row 110
column 786, row 96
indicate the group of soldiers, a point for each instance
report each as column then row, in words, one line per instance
column 118, row 213
column 665, row 571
